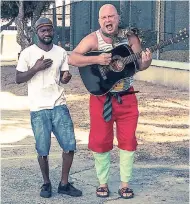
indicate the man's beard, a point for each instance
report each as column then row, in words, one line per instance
column 46, row 42
column 109, row 35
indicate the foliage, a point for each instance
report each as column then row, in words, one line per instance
column 22, row 12
column 10, row 9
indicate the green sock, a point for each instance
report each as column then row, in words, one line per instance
column 102, row 165
column 126, row 165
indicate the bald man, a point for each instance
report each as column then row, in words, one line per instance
column 125, row 114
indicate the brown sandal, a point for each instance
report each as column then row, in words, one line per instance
column 102, row 190
column 126, row 191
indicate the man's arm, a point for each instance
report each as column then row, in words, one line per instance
column 87, row 44
column 22, row 77
column 146, row 57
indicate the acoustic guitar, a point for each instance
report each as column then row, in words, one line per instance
column 100, row 79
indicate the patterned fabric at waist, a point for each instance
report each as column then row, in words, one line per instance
column 123, row 85
column 107, row 112
column 124, row 92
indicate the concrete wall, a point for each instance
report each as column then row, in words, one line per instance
column 9, row 47
column 175, row 76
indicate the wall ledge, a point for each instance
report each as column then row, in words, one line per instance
column 171, row 64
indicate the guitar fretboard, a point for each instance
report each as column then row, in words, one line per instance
column 136, row 56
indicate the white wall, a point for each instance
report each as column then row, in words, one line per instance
column 167, row 73
column 9, row 47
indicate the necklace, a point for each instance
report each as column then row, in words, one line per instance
column 108, row 35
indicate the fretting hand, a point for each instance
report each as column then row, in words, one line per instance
column 146, row 58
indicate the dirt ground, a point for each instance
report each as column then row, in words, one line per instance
column 163, row 121
column 162, row 128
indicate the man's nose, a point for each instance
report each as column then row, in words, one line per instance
column 47, row 33
column 107, row 19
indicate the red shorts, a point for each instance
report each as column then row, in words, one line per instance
column 126, row 117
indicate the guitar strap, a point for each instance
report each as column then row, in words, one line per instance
column 118, row 37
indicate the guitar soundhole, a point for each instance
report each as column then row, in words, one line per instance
column 117, row 64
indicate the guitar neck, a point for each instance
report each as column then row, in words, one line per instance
column 134, row 57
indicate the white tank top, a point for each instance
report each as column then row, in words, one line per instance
column 123, row 84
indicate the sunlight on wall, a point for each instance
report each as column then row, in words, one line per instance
column 14, row 135
column 10, row 101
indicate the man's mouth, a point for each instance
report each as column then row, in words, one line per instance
column 109, row 27
column 47, row 38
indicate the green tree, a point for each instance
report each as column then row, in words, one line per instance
column 22, row 12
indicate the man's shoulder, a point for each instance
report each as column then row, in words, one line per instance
column 29, row 49
column 59, row 49
column 92, row 35
column 25, row 52
column 91, row 38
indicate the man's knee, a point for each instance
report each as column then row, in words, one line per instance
column 71, row 152
column 45, row 158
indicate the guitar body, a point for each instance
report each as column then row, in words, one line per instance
column 98, row 83
column 99, row 79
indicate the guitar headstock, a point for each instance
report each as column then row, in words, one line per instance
column 182, row 35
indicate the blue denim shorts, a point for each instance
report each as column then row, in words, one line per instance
column 56, row 120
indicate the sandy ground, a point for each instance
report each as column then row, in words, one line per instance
column 162, row 129
column 163, row 120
